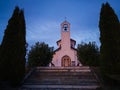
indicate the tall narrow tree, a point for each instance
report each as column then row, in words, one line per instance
column 110, row 40
column 22, row 46
column 13, row 50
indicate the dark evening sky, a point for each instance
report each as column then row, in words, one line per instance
column 43, row 18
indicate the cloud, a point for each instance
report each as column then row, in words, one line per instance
column 86, row 35
column 48, row 32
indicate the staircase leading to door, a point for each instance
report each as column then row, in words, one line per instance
column 61, row 78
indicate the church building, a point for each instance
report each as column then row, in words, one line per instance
column 66, row 54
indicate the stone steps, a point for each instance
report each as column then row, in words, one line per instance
column 64, row 82
column 61, row 78
column 63, row 69
column 59, row 87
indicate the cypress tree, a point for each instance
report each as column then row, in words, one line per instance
column 8, row 45
column 110, row 40
column 20, row 68
column 13, row 50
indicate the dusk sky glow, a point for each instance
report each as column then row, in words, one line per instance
column 43, row 18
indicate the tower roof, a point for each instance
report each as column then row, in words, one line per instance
column 65, row 22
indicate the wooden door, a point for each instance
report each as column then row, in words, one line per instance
column 66, row 61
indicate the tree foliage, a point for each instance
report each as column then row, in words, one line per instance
column 110, row 40
column 88, row 54
column 13, row 49
column 40, row 55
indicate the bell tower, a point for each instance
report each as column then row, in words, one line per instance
column 65, row 35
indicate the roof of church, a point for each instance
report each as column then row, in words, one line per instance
column 73, row 48
column 64, row 22
column 60, row 48
column 70, row 40
column 57, row 49
column 73, row 40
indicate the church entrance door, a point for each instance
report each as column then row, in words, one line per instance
column 66, row 61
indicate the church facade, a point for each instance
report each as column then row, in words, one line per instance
column 66, row 54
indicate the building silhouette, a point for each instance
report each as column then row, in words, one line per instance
column 66, row 53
